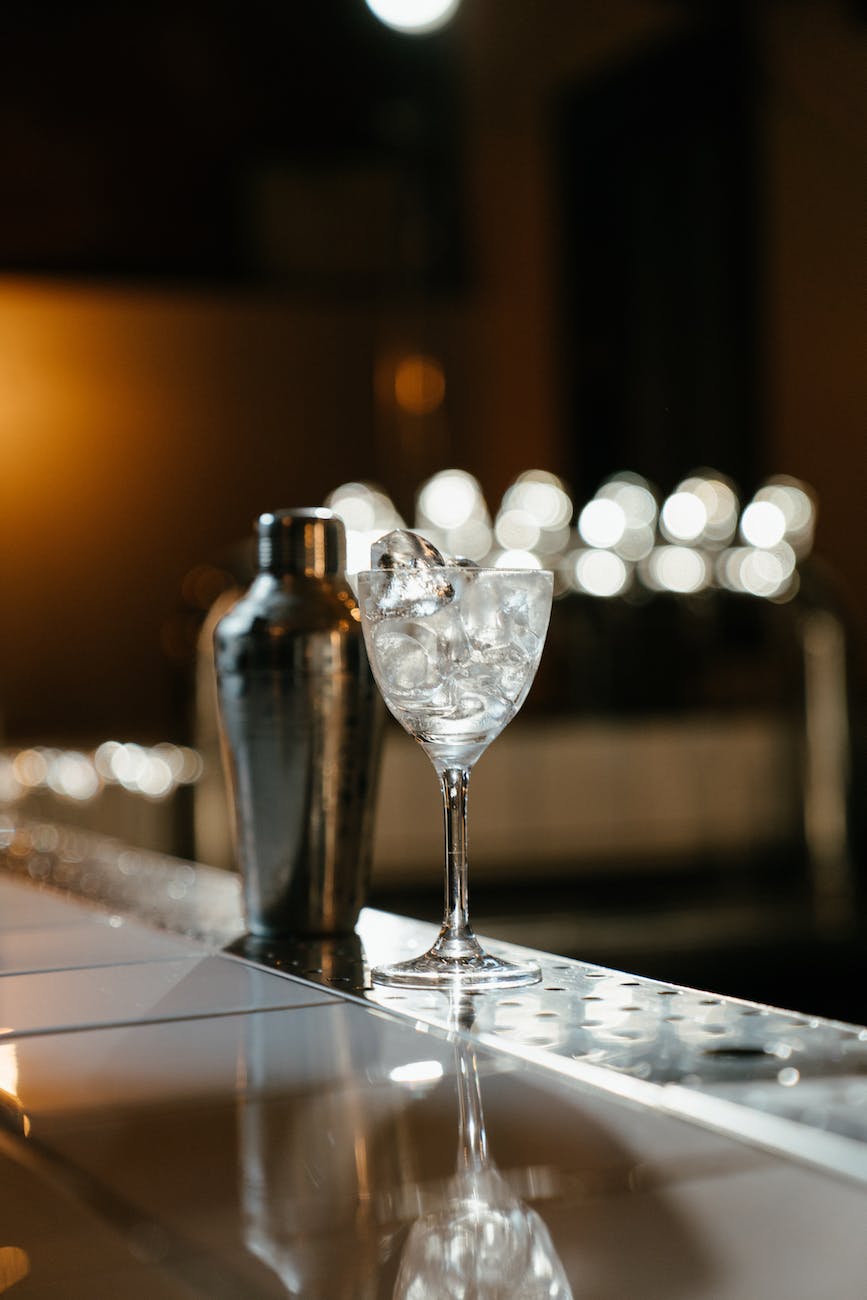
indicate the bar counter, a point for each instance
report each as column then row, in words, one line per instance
column 188, row 1112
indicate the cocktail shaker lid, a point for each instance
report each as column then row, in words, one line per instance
column 306, row 542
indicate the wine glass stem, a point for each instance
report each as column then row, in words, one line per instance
column 456, row 921
column 473, row 1140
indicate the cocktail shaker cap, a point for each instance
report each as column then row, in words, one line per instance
column 307, row 542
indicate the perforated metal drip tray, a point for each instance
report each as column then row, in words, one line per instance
column 788, row 1082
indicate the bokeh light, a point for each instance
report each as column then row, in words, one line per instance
column 763, row 524
column 636, row 543
column 679, row 569
column 517, row 560
column 153, row 771
column 449, row 499
column 536, row 514
column 634, row 496
column 518, row 529
column 414, row 17
column 600, row 573
column 683, row 517
column 452, row 513
column 797, row 504
column 419, row 384
column 73, row 775
column 543, row 496
column 684, row 547
column 30, row 767
column 367, row 512
column 602, row 522
column 717, row 495
column 752, row 571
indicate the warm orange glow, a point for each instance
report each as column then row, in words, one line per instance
column 419, row 384
column 9, row 1092
column 14, row 1265
column 8, row 1066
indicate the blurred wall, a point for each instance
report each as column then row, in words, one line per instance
column 816, row 268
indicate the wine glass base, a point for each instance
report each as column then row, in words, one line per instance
column 470, row 974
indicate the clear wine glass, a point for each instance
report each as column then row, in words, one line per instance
column 454, row 650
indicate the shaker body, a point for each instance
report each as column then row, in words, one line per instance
column 301, row 722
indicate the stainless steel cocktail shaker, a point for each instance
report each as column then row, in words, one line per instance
column 300, row 724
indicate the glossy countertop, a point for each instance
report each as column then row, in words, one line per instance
column 186, row 1113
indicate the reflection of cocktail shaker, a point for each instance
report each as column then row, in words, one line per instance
column 301, row 723
column 323, row 1138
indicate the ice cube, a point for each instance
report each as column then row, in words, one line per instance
column 402, row 549
column 414, row 593
column 529, row 603
column 484, row 615
column 416, row 588
column 498, row 614
column 465, row 706
column 505, row 670
column 406, row 660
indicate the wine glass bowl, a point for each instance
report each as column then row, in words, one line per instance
column 454, row 650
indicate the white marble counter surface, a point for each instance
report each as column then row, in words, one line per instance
column 185, row 1115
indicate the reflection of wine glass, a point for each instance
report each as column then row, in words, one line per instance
column 483, row 1242
column 454, row 651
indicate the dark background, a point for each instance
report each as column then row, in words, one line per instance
column 629, row 231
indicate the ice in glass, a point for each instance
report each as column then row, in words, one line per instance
column 454, row 649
